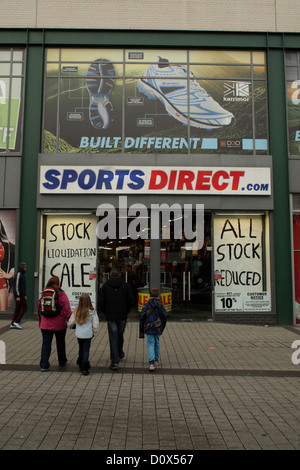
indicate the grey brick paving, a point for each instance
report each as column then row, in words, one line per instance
column 219, row 387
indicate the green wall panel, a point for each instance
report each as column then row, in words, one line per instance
column 31, row 147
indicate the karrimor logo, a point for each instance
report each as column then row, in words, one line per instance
column 2, row 352
column 236, row 91
column 158, row 221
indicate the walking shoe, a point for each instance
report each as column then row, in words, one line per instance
column 151, row 367
column 86, row 368
column 170, row 84
column 16, row 326
column 114, row 367
column 99, row 82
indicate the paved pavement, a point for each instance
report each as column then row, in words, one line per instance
column 219, row 387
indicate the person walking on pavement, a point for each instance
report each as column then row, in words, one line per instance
column 20, row 297
column 54, row 326
column 115, row 301
column 153, row 320
column 86, row 323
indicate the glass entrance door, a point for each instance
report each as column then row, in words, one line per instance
column 183, row 273
column 186, row 273
column 130, row 256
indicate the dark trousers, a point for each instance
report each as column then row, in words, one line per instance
column 20, row 308
column 84, row 350
column 60, row 337
column 116, row 339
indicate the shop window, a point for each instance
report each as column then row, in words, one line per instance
column 296, row 239
column 296, row 253
column 155, row 101
column 7, row 258
column 242, row 263
column 11, row 99
column 68, row 250
column 292, row 76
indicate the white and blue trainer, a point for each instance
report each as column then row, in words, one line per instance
column 184, row 99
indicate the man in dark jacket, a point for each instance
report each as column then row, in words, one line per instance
column 115, row 301
column 20, row 297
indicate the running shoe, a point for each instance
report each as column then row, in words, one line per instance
column 16, row 326
column 99, row 82
column 169, row 84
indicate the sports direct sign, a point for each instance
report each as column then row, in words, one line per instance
column 154, row 180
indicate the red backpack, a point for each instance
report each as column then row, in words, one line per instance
column 50, row 303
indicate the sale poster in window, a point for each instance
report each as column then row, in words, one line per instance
column 7, row 258
column 70, row 253
column 239, row 264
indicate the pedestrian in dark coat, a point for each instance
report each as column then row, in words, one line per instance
column 116, row 301
column 20, row 297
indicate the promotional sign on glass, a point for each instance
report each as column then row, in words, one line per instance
column 155, row 101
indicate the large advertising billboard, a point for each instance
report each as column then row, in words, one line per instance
column 7, row 258
column 155, row 101
column 293, row 101
column 11, row 99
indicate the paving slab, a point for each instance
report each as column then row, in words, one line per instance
column 218, row 387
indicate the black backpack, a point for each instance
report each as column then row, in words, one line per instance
column 50, row 304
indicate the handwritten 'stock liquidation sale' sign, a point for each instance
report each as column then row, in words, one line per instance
column 70, row 254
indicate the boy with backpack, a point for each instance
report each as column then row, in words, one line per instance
column 153, row 320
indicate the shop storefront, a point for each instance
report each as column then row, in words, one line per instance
column 292, row 75
column 229, row 275
column 157, row 161
column 167, row 161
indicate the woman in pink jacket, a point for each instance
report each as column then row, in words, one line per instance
column 54, row 326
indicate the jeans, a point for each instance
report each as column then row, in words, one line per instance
column 153, row 346
column 116, row 339
column 60, row 336
column 84, row 349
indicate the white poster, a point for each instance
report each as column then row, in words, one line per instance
column 70, row 254
column 238, row 262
